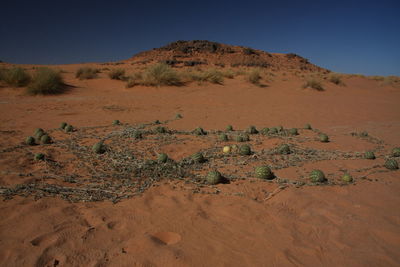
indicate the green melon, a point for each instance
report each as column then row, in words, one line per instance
column 214, row 177
column 39, row 156
column 178, row 116
column 396, row 152
column 161, row 129
column 239, row 138
column 199, row 131
column 323, row 138
column 369, row 155
column 63, row 125
column 229, row 128
column 198, row 157
column 273, row 130
column 30, row 141
column 293, row 131
column 252, row 130
column 391, row 164
column 284, row 149
column 45, row 139
column 116, row 122
column 347, row 178
column 137, row 135
column 99, row 148
column 317, row 176
column 69, row 128
column 307, row 126
column 265, row 131
column 162, row 157
column 245, row 150
column 223, row 137
column 263, row 172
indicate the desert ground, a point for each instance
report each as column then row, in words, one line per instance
column 78, row 208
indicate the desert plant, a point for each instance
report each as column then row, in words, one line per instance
column 314, row 84
column 263, row 172
column 133, row 80
column 252, row 130
column 229, row 128
column 239, row 138
column 117, row 74
column 161, row 74
column 369, row 155
column 391, row 164
column 46, row 81
column 230, row 74
column 347, row 178
column 45, row 139
column 137, row 135
column 99, row 148
column 16, row 77
column 30, row 141
column 38, row 134
column 63, row 125
column 307, row 126
column 38, row 156
column 245, row 150
column 265, row 131
column 293, row 131
column 323, row 138
column 162, row 157
column 335, row 78
column 199, row 131
column 254, row 76
column 317, row 176
column 273, row 130
column 214, row 177
column 161, row 129
column 116, row 122
column 284, row 149
column 213, row 76
column 198, row 157
column 223, row 137
column 86, row 73
column 69, row 128
column 396, row 152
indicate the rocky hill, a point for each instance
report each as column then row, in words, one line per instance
column 202, row 52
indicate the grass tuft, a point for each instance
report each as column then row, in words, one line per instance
column 86, row 73
column 45, row 82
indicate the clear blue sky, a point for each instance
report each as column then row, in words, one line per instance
column 344, row 36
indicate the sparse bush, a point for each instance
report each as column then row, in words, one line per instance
column 314, row 83
column 254, row 76
column 213, row 76
column 86, row 73
column 46, row 81
column 117, row 74
column 214, row 177
column 335, row 78
column 263, row 172
column 317, row 176
column 161, row 74
column 133, row 80
column 16, row 77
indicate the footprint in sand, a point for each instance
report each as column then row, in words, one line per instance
column 167, row 238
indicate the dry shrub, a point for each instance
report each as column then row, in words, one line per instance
column 46, row 81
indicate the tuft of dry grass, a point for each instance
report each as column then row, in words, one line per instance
column 336, row 78
column 161, row 74
column 314, row 84
column 46, row 81
column 16, row 77
column 254, row 76
column 117, row 74
column 86, row 73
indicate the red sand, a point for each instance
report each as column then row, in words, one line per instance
column 250, row 222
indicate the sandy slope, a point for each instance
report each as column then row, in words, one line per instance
column 249, row 222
